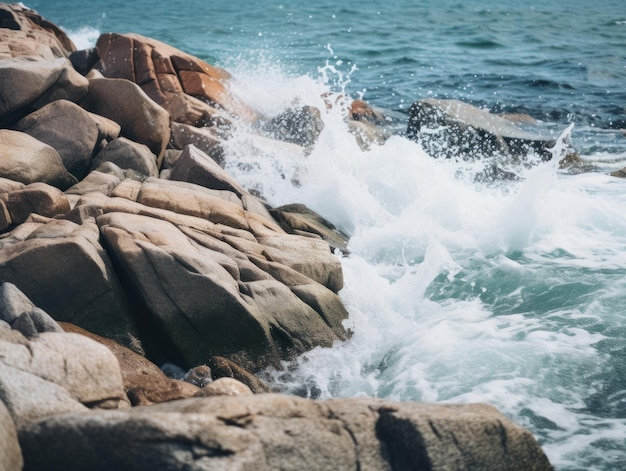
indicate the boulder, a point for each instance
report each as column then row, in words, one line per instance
column 10, row 451
column 103, row 180
column 62, row 268
column 84, row 60
column 23, row 32
column 34, row 322
column 199, row 376
column 56, row 372
column 36, row 198
column 141, row 119
column 69, row 130
column 225, row 387
column 362, row 111
column 195, row 166
column 28, row 160
column 29, row 84
column 621, row 173
column 269, row 431
column 127, row 154
column 300, row 126
column 272, row 295
column 208, row 140
column 13, row 303
column 169, row 76
column 451, row 128
column 224, row 368
column 144, row 382
column 298, row 219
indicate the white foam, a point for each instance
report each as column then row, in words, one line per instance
column 84, row 37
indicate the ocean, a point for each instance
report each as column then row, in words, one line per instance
column 459, row 290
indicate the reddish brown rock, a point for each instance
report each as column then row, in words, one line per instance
column 168, row 75
column 224, row 368
column 144, row 382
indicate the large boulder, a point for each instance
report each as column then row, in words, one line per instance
column 23, row 32
column 300, row 126
column 69, row 130
column 217, row 279
column 268, row 431
column 170, row 77
column 27, row 160
column 451, row 128
column 29, row 84
column 64, row 270
column 141, row 119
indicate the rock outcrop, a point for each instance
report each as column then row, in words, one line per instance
column 268, row 432
column 119, row 220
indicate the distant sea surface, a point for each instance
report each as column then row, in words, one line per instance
column 511, row 293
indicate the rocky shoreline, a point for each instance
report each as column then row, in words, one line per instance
column 124, row 244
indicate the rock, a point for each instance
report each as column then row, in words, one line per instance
column 13, row 303
column 619, row 173
column 362, row 111
column 269, row 431
column 35, row 322
column 68, row 129
column 144, row 382
column 10, row 452
column 171, row 156
column 103, row 180
column 451, row 128
column 141, row 119
column 29, row 84
column 27, row 160
column 36, row 198
column 367, row 133
column 194, row 166
column 127, row 154
column 300, row 126
column 24, row 32
column 298, row 219
column 168, row 75
column 224, row 387
column 272, row 294
column 56, row 373
column 207, row 140
column 84, row 60
column 225, row 368
column 199, row 376
column 37, row 256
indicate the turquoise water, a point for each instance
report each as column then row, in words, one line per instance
column 510, row 293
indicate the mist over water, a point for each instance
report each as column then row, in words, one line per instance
column 506, row 292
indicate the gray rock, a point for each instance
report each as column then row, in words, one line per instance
column 127, row 154
column 27, row 160
column 10, row 451
column 451, row 128
column 269, row 431
column 13, row 303
column 35, row 322
column 300, row 126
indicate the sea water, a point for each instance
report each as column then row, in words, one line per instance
column 459, row 290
